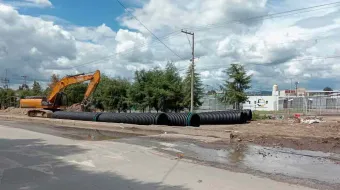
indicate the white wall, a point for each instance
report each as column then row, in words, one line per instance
column 262, row 103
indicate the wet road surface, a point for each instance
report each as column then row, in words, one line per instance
column 23, row 160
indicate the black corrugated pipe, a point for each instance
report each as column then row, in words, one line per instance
column 223, row 117
column 184, row 119
column 249, row 114
column 84, row 116
column 135, row 118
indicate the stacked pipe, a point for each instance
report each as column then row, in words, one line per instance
column 184, row 119
column 84, row 116
column 131, row 118
column 249, row 114
column 172, row 119
column 135, row 118
column 225, row 117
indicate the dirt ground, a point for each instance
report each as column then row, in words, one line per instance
column 323, row 136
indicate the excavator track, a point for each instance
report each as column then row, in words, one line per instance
column 40, row 113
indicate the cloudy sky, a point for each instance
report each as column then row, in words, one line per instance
column 41, row 37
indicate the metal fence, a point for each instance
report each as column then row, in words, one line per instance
column 311, row 105
column 212, row 103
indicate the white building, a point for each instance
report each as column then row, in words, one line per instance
column 263, row 103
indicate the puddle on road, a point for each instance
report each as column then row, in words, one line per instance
column 71, row 132
column 289, row 162
column 302, row 164
column 95, row 135
column 295, row 163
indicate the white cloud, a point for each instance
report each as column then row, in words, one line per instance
column 43, row 3
column 272, row 50
column 133, row 46
column 30, row 3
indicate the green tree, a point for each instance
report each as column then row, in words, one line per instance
column 53, row 80
column 36, row 89
column 24, row 93
column 75, row 93
column 156, row 89
column 327, row 89
column 174, row 85
column 198, row 90
column 137, row 93
column 7, row 98
column 112, row 94
column 234, row 88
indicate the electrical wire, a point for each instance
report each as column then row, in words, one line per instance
column 148, row 30
column 268, row 16
column 268, row 65
column 172, row 34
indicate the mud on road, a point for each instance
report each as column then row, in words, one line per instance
column 278, row 150
column 323, row 136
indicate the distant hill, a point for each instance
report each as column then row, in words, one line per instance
column 252, row 93
column 260, row 93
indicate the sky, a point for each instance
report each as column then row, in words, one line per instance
column 42, row 37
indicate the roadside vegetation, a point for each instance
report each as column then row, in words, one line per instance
column 158, row 89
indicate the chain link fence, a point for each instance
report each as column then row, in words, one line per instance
column 311, row 105
column 212, row 103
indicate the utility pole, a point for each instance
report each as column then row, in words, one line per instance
column 296, row 88
column 5, row 80
column 192, row 68
column 24, row 85
column 25, row 80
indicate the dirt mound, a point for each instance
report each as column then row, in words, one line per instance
column 17, row 111
column 75, row 108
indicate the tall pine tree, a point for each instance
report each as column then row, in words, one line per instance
column 36, row 88
column 198, row 90
column 173, row 85
column 235, row 85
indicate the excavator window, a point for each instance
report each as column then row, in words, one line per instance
column 61, row 100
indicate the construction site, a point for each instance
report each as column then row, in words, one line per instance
column 297, row 131
column 162, row 94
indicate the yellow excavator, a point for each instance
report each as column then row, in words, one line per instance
column 57, row 99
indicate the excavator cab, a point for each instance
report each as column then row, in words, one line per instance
column 60, row 100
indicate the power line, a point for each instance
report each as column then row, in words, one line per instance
column 5, row 80
column 172, row 34
column 267, row 16
column 295, row 60
column 149, row 30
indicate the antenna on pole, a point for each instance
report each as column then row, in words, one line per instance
column 5, row 80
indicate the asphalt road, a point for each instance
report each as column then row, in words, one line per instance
column 33, row 160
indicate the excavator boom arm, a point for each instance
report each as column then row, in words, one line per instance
column 69, row 80
column 92, row 85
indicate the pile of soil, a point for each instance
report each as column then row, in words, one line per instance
column 16, row 111
column 75, row 108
